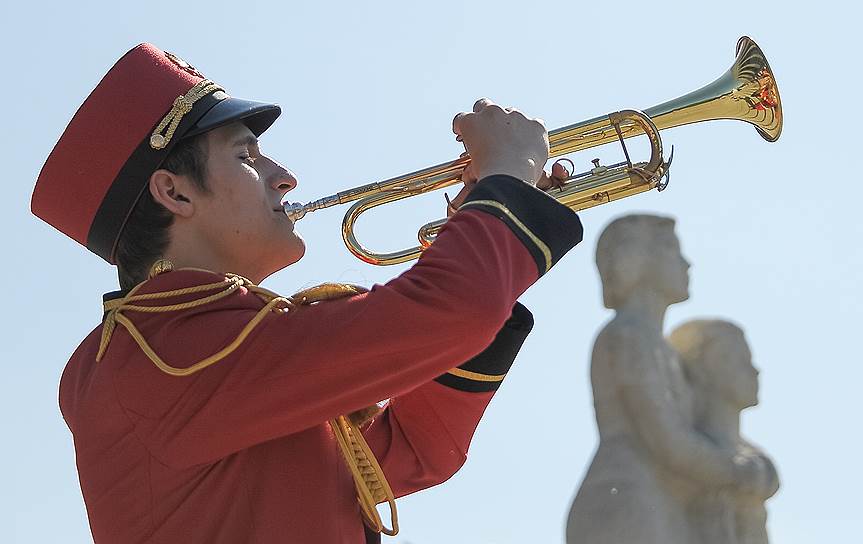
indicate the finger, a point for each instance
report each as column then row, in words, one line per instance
column 518, row 114
column 457, row 124
column 559, row 171
column 459, row 199
column 481, row 104
column 491, row 108
column 546, row 182
column 468, row 176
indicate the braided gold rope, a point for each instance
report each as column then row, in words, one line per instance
column 231, row 283
column 369, row 480
column 182, row 105
column 371, row 484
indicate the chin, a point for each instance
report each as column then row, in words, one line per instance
column 681, row 296
column 292, row 252
column 281, row 254
column 750, row 401
column 300, row 249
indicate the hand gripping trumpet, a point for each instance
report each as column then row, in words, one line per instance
column 746, row 92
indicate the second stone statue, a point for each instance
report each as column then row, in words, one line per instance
column 653, row 461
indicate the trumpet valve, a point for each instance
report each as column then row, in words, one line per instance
column 598, row 168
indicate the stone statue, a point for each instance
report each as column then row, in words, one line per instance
column 650, row 460
column 718, row 364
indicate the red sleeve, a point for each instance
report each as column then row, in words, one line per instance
column 305, row 367
column 422, row 438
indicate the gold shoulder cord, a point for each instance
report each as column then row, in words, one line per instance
column 371, row 484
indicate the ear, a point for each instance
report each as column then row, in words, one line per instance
column 170, row 190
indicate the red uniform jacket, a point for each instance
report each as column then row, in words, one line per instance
column 241, row 452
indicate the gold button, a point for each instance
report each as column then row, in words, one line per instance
column 160, row 267
column 157, row 141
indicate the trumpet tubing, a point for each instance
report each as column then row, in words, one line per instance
column 746, row 92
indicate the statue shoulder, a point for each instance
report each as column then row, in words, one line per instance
column 627, row 353
column 622, row 333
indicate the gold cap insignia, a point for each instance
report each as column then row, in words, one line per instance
column 183, row 64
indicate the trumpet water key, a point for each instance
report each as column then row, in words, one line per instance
column 746, row 92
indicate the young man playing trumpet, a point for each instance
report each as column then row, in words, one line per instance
column 207, row 409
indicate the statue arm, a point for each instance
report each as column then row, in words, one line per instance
column 681, row 449
column 659, row 423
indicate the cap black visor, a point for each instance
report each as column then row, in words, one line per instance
column 258, row 116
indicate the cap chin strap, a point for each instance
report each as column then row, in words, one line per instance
column 371, row 484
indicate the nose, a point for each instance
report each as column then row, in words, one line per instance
column 280, row 178
column 285, row 182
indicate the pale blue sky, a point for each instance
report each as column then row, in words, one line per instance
column 369, row 91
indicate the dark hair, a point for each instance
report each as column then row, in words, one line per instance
column 146, row 234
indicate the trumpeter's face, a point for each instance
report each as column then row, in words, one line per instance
column 241, row 216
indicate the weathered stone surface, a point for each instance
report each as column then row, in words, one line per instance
column 659, row 475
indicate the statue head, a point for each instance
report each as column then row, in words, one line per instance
column 717, row 361
column 641, row 252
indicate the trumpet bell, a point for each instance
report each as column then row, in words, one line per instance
column 746, row 92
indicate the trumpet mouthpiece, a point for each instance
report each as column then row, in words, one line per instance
column 294, row 210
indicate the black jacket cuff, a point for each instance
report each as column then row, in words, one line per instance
column 547, row 228
column 486, row 371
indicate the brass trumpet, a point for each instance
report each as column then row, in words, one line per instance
column 746, row 92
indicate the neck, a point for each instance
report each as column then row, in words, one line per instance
column 185, row 254
column 646, row 307
column 720, row 421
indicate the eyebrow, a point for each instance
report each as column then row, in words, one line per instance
column 245, row 140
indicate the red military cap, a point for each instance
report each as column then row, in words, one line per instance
column 121, row 134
